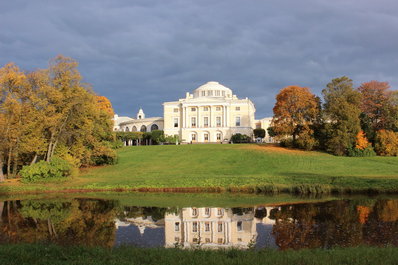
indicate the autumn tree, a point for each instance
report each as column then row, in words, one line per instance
column 386, row 143
column 341, row 111
column 376, row 107
column 105, row 105
column 52, row 112
column 295, row 112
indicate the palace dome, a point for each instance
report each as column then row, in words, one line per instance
column 212, row 89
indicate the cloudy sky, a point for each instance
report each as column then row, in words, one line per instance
column 141, row 53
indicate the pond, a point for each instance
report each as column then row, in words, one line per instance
column 111, row 222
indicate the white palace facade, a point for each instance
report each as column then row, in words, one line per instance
column 210, row 114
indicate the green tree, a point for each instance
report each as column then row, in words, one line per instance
column 259, row 133
column 341, row 110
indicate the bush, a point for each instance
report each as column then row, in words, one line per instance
column 386, row 143
column 259, row 133
column 358, row 152
column 240, row 138
column 305, row 141
column 103, row 155
column 57, row 168
column 287, row 142
column 117, row 144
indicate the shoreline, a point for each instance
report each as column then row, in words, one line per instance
column 304, row 189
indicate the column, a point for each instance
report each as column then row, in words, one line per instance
column 228, row 116
column 198, row 122
column 225, row 116
column 210, row 118
column 185, row 117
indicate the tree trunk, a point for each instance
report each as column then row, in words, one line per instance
column 53, row 149
column 34, row 159
column 49, row 150
column 9, row 162
column 1, row 211
column 49, row 227
column 1, row 169
column 15, row 165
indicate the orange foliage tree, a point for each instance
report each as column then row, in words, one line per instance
column 105, row 105
column 376, row 107
column 295, row 112
column 361, row 141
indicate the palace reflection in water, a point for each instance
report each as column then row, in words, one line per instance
column 106, row 223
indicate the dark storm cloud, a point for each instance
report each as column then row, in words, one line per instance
column 142, row 53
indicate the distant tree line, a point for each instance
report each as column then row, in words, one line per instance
column 348, row 121
column 51, row 114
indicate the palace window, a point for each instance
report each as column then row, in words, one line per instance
column 195, row 240
column 218, row 136
column 194, row 212
column 210, row 93
column 193, row 137
column 206, row 121
column 207, row 240
column 219, row 229
column 193, row 122
column 237, row 108
column 217, row 92
column 218, row 121
column 176, row 110
column 223, row 93
column 207, row 211
column 193, row 109
column 239, row 239
column 195, row 227
column 219, row 211
column 237, row 121
column 205, row 108
column 239, row 225
column 177, row 226
column 218, row 108
column 206, row 136
column 207, row 227
column 219, row 240
column 203, row 93
column 175, row 122
column 177, row 239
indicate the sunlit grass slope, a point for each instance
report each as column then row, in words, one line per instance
column 233, row 167
column 240, row 165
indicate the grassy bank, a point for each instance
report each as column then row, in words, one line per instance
column 247, row 168
column 43, row 254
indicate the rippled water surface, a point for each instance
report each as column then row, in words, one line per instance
column 100, row 222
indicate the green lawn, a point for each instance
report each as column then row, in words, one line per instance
column 52, row 254
column 233, row 167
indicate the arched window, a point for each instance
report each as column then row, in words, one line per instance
column 143, row 128
column 154, row 127
column 134, row 129
column 127, row 129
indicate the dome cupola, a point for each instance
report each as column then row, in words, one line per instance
column 212, row 89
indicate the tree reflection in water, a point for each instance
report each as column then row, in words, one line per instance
column 94, row 222
column 79, row 221
column 337, row 223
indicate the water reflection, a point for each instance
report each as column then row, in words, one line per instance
column 95, row 222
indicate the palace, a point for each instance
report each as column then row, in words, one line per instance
column 211, row 114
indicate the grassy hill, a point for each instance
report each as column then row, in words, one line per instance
column 236, row 167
